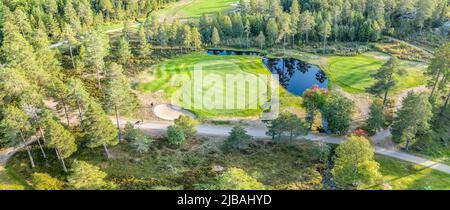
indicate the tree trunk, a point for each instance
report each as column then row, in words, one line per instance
column 284, row 44
column 248, row 42
column 306, row 37
column 63, row 164
column 42, row 149
column 385, row 97
column 79, row 110
column 408, row 142
column 445, row 104
column 42, row 134
column 435, row 84
column 65, row 111
column 71, row 56
column 118, row 125
column 108, row 155
column 98, row 79
column 312, row 121
column 293, row 41
column 28, row 150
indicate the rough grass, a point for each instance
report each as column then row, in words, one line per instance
column 9, row 180
column 196, row 8
column 171, row 76
column 403, row 51
column 402, row 175
column 168, row 167
column 353, row 74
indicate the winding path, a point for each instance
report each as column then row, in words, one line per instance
column 214, row 130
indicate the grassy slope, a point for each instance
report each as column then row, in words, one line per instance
column 402, row 175
column 196, row 8
column 219, row 66
column 353, row 73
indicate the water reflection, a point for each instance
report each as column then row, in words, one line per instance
column 295, row 75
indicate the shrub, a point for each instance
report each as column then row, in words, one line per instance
column 138, row 140
column 43, row 181
column 175, row 135
column 187, row 124
column 361, row 133
column 237, row 140
column 237, row 179
column 87, row 177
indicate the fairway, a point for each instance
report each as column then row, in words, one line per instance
column 196, row 8
column 178, row 79
column 402, row 175
column 353, row 74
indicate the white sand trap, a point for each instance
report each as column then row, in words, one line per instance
column 171, row 112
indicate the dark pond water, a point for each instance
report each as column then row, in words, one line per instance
column 295, row 75
column 231, row 52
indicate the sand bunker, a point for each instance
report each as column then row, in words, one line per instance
column 171, row 112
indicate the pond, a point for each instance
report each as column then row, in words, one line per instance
column 294, row 75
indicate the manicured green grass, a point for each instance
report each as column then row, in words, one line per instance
column 174, row 75
column 402, row 175
column 196, row 8
column 353, row 73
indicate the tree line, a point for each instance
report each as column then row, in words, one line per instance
column 81, row 15
column 269, row 22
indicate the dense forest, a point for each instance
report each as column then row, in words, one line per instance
column 316, row 20
column 90, row 74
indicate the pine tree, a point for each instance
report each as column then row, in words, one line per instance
column 238, row 139
column 144, row 45
column 272, row 31
column 96, row 46
column 325, row 32
column 118, row 94
column 186, row 38
column 306, row 24
column 196, row 38
column 376, row 120
column 285, row 29
column 123, row 52
column 295, row 16
column 71, row 16
column 61, row 140
column 247, row 31
column 385, row 78
column 15, row 126
column 78, row 95
column 439, row 70
column 69, row 36
column 412, row 119
column 215, row 37
column 98, row 129
column 261, row 40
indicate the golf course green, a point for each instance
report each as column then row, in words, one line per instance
column 178, row 78
column 353, row 73
column 196, row 8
